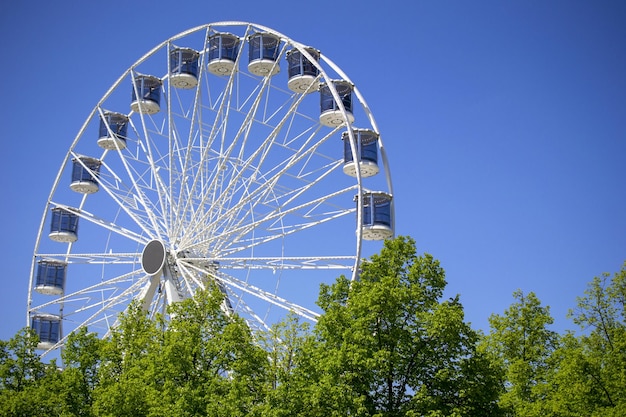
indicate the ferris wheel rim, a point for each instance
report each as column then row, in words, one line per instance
column 143, row 238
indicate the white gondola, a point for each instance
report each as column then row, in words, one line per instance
column 63, row 226
column 50, row 279
column 367, row 151
column 330, row 113
column 223, row 51
column 146, row 94
column 85, row 172
column 303, row 74
column 377, row 221
column 48, row 328
column 263, row 51
column 112, row 132
column 184, row 68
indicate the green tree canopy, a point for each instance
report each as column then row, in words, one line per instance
column 28, row 387
column 390, row 346
column 591, row 373
column 387, row 344
column 521, row 342
column 204, row 362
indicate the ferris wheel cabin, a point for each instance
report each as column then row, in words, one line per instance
column 48, row 328
column 50, row 279
column 64, row 226
column 184, row 67
column 112, row 131
column 377, row 222
column 223, row 50
column 263, row 54
column 302, row 72
column 330, row 112
column 85, row 172
column 146, row 95
column 367, row 151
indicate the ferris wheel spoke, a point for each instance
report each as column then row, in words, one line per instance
column 239, row 182
column 253, row 320
column 186, row 197
column 159, row 205
column 232, row 282
column 259, row 293
column 260, row 195
column 268, row 229
column 275, row 226
column 110, row 258
column 269, row 186
column 103, row 223
column 142, row 174
column 110, row 286
column 235, row 301
column 125, row 200
column 105, row 317
column 281, row 232
column 194, row 276
column 131, row 198
column 272, row 219
column 225, row 194
column 278, row 262
column 184, row 166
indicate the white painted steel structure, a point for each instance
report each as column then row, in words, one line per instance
column 227, row 178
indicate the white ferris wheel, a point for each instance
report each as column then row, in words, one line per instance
column 229, row 153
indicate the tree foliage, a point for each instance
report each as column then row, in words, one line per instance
column 591, row 373
column 564, row 375
column 27, row 385
column 522, row 344
column 204, row 362
column 388, row 344
column 291, row 363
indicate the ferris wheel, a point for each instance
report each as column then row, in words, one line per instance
column 230, row 154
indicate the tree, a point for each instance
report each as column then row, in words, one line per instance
column 290, row 346
column 82, row 357
column 522, row 344
column 210, row 364
column 203, row 362
column 20, row 365
column 125, row 384
column 28, row 387
column 591, row 375
column 389, row 346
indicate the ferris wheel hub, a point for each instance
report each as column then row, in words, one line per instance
column 153, row 257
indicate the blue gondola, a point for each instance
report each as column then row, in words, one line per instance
column 85, row 172
column 377, row 221
column 330, row 113
column 367, row 149
column 302, row 72
column 263, row 53
column 112, row 132
column 48, row 328
column 184, row 68
column 223, row 50
column 64, row 226
column 50, row 278
column 146, row 94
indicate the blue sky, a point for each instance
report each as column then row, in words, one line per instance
column 504, row 123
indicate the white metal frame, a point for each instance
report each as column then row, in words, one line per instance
column 234, row 176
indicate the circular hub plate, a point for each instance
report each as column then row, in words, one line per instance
column 153, row 257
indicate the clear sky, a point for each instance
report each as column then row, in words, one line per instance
column 504, row 123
